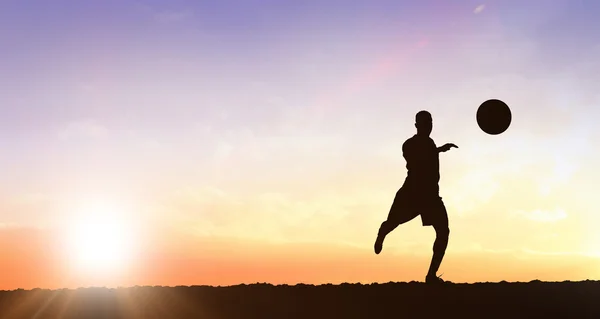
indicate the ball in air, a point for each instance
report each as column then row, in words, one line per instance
column 494, row 117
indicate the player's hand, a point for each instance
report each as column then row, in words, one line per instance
column 446, row 147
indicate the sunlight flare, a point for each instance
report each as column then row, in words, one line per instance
column 101, row 240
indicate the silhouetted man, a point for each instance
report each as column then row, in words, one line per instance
column 420, row 193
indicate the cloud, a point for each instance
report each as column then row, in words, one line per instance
column 473, row 190
column 33, row 198
column 544, row 216
column 165, row 16
column 31, row 209
column 173, row 16
column 8, row 226
column 564, row 169
column 85, row 128
column 223, row 151
column 333, row 216
column 479, row 9
column 555, row 253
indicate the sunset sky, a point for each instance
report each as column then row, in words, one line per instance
column 260, row 141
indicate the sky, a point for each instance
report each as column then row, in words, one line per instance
column 261, row 141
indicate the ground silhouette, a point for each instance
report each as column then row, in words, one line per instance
column 390, row 300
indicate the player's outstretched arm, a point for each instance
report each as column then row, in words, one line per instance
column 446, row 147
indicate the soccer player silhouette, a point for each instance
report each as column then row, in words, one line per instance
column 419, row 195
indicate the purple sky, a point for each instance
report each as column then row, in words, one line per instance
column 301, row 98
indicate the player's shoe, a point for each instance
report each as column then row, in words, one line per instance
column 379, row 243
column 433, row 279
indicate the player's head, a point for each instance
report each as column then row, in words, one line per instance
column 423, row 123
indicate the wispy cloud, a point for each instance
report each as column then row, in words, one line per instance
column 479, row 9
column 473, row 190
column 271, row 215
column 86, row 128
column 166, row 16
column 33, row 198
column 556, row 253
column 544, row 216
column 173, row 16
column 8, row 225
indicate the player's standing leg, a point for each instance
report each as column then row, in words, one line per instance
column 439, row 220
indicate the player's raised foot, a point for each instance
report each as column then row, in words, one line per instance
column 435, row 280
column 379, row 243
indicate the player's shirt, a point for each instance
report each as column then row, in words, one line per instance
column 422, row 163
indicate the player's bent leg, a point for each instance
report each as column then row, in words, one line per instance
column 400, row 213
column 385, row 228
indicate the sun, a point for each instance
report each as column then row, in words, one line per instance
column 99, row 243
column 100, row 240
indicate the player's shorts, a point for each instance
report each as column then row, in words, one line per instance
column 410, row 203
